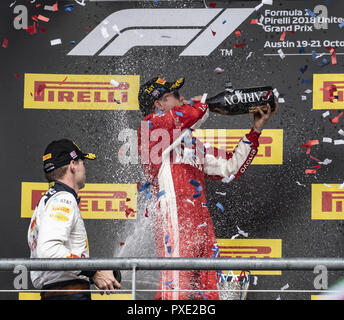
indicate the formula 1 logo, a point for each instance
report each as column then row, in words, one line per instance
column 126, row 29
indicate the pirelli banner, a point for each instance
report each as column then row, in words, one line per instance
column 73, row 70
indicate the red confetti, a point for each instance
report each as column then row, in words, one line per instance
column 16, row 75
column 284, row 34
column 38, row 5
column 121, row 243
column 31, row 29
column 42, row 29
column 146, row 213
column 238, row 33
column 213, row 32
column 336, row 119
column 55, row 8
column 314, row 158
column 253, row 21
column 5, row 43
column 129, row 212
column 34, row 18
column 333, row 55
column 212, row 4
column 308, row 171
column 238, row 45
column 43, row 18
column 309, row 144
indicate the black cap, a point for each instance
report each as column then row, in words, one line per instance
column 60, row 152
column 153, row 90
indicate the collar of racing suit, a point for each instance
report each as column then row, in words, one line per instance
column 60, row 186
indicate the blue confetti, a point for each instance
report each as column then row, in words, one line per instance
column 304, row 81
column 150, row 124
column 302, row 50
column 191, row 102
column 180, row 114
column 314, row 55
column 224, row 21
column 303, row 70
column 161, row 193
column 72, row 42
column 169, row 249
column 148, row 194
column 166, row 238
column 324, row 62
column 194, row 182
column 196, row 195
column 199, row 188
column 159, row 112
column 341, row 25
column 312, row 14
column 220, row 206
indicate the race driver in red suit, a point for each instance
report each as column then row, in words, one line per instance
column 175, row 164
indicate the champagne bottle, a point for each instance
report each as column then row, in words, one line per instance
column 241, row 101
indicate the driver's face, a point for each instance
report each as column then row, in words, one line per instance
column 168, row 101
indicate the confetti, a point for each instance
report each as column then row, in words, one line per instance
column 219, row 70
column 311, row 13
column 55, row 42
column 238, row 33
column 299, row 184
column 333, row 55
column 326, row 114
column 337, row 142
column 121, row 243
column 341, row 132
column 180, row 114
column 255, row 280
column 16, row 75
column 146, row 213
column 249, row 55
column 5, row 43
column 82, row 3
column 341, row 25
column 303, row 98
column 104, row 32
column 202, row 225
column 304, row 69
column 220, row 206
column 281, row 100
column 204, row 97
column 328, row 140
column 309, row 144
column 43, row 18
column 336, row 119
column 325, row 162
column 245, row 234
column 161, row 193
column 308, row 91
column 281, row 54
column 196, row 195
column 213, row 32
column 238, row 45
column 253, row 21
column 212, row 4
column 194, row 182
column 285, row 287
column 228, row 179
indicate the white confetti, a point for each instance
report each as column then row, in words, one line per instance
column 82, row 3
column 341, row 186
column 268, row 2
column 308, row 91
column 329, row 140
column 235, row 236
column 285, row 287
column 303, row 98
column 104, row 32
column 115, row 28
column 300, row 184
column 341, row 132
column 55, row 42
column 49, row 8
column 202, row 225
column 221, row 193
column 276, row 93
column 228, row 179
column 281, row 54
column 281, row 100
column 255, row 280
column 325, row 162
column 258, row 7
column 337, row 142
column 12, row 4
column 114, row 83
column 188, row 200
column 249, row 55
column 326, row 114
column 219, row 70
column 245, row 234
column 204, row 97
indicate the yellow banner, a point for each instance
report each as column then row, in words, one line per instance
column 270, row 150
column 251, row 248
column 81, row 91
column 328, row 91
column 97, row 201
column 327, row 202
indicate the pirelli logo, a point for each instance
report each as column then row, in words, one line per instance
column 97, row 201
column 327, row 202
column 81, row 92
column 270, row 149
column 328, row 91
column 252, row 248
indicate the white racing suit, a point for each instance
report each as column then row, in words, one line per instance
column 57, row 231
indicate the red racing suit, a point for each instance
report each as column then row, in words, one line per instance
column 176, row 164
